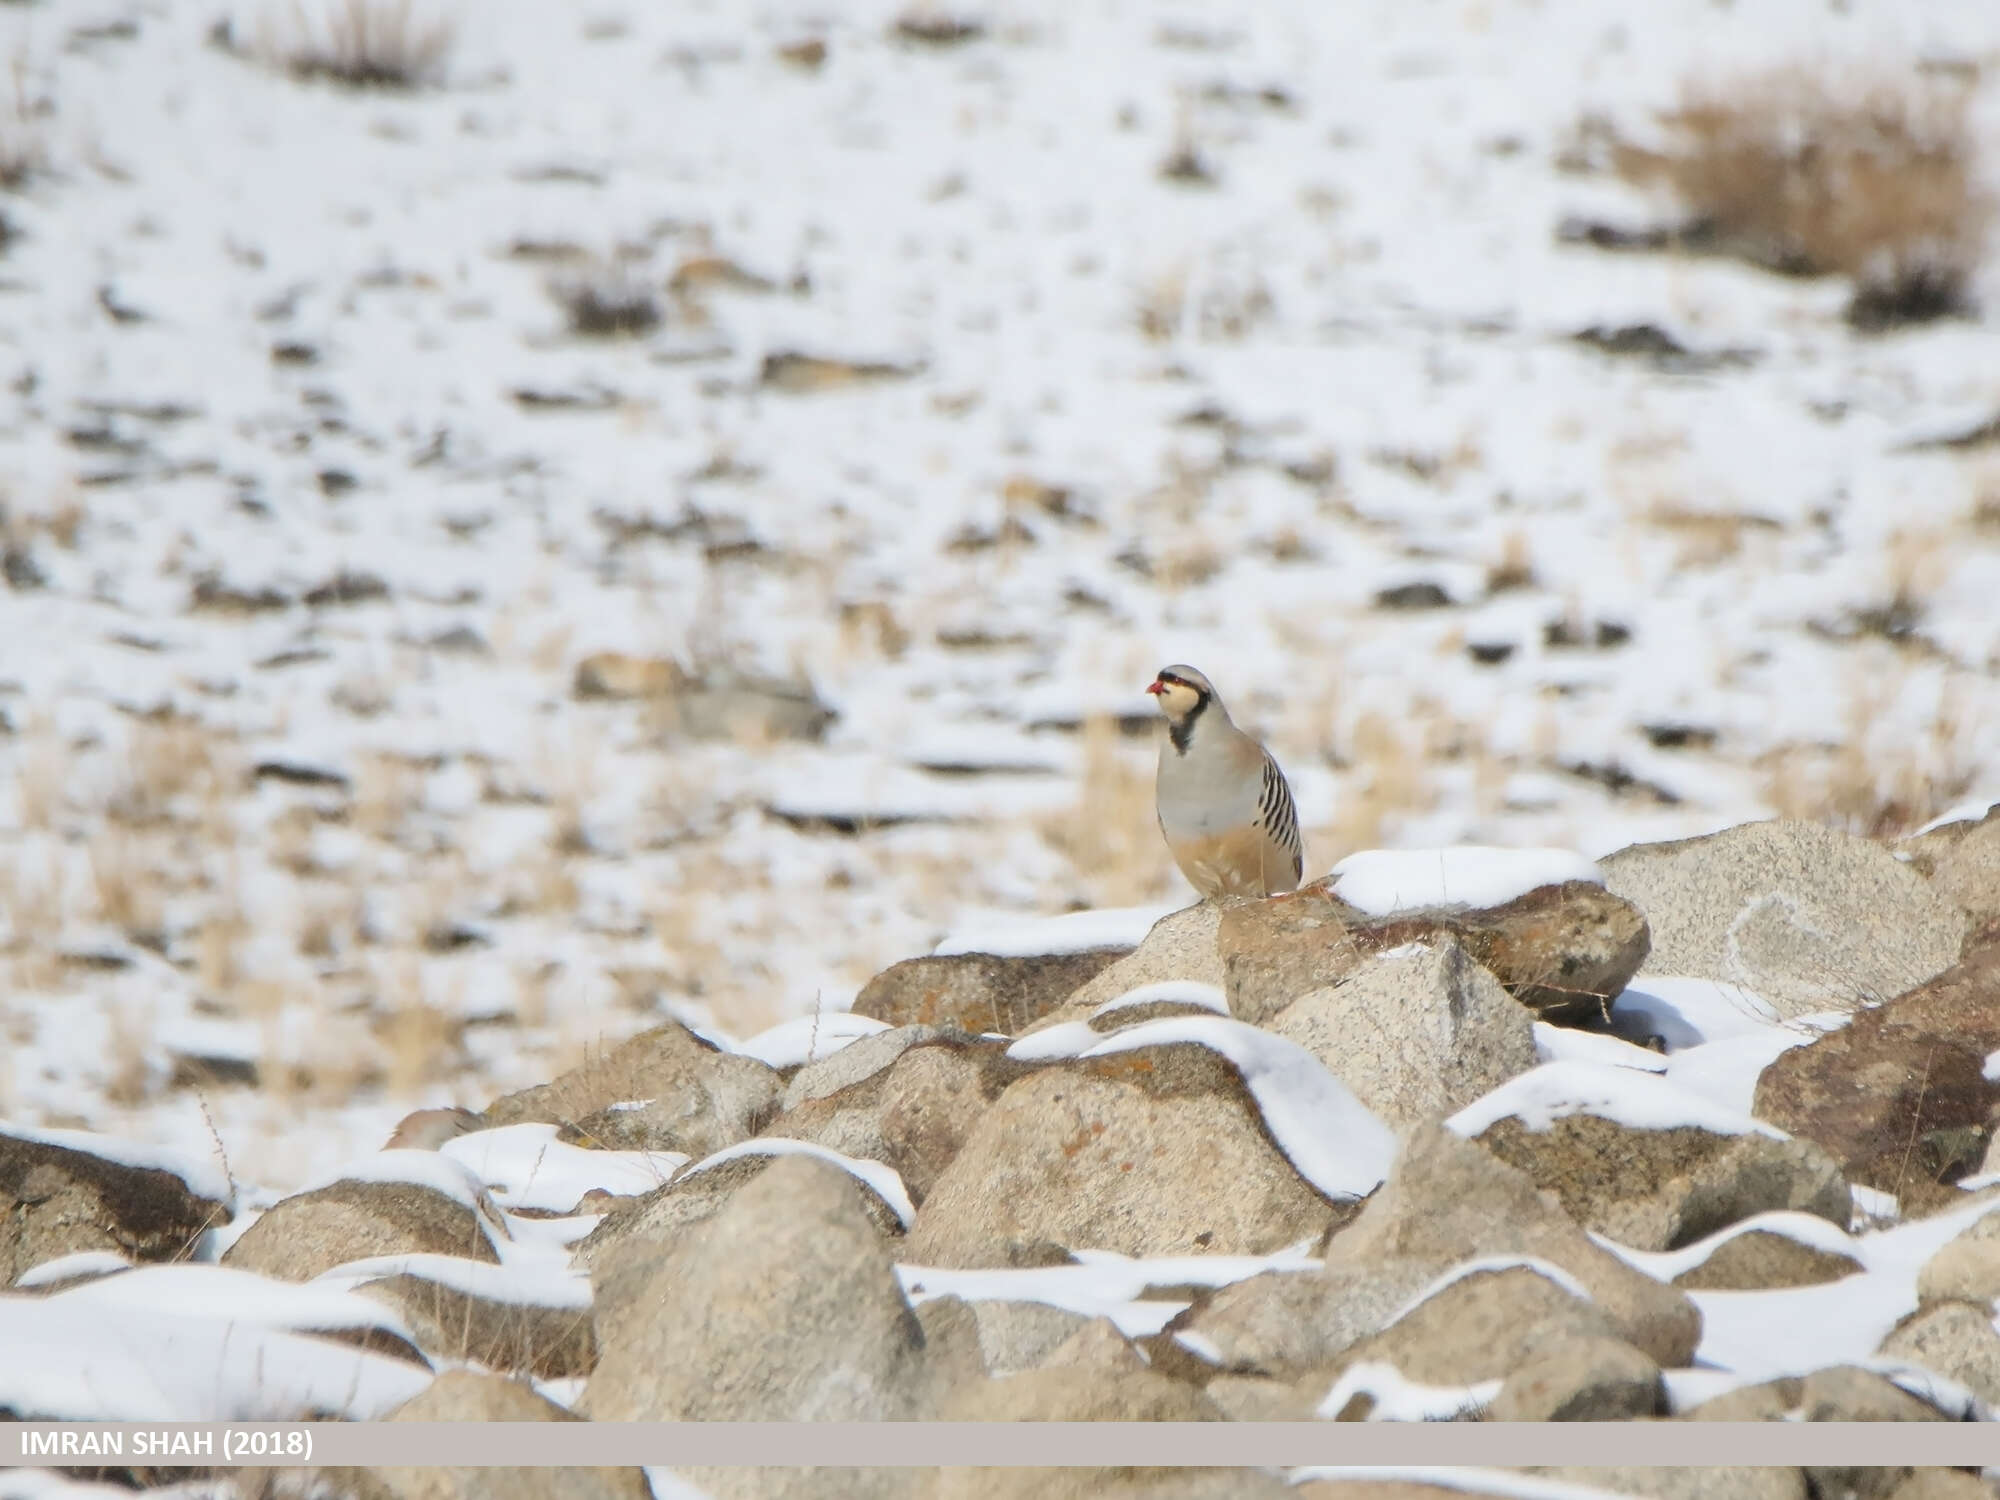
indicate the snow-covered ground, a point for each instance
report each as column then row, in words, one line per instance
column 314, row 504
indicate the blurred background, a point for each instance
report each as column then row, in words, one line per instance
column 521, row 520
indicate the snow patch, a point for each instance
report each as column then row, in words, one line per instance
column 1331, row 1139
column 1398, row 1399
column 1169, row 991
column 803, row 1039
column 1381, row 881
column 886, row 1182
column 1640, row 1101
column 527, row 1283
column 1073, row 932
column 526, row 1167
column 205, row 1176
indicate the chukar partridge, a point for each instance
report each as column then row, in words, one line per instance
column 1223, row 803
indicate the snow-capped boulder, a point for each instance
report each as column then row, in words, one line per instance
column 1647, row 1164
column 1417, row 1032
column 1810, row 918
column 64, row 1192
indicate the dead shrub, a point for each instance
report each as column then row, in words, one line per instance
column 604, row 299
column 383, row 44
column 1869, row 176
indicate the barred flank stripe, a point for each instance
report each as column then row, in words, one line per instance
column 1275, row 812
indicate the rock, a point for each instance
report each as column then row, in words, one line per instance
column 718, row 704
column 1759, row 1259
column 784, row 1307
column 1685, row 1484
column 55, row 1201
column 463, row 1396
column 1111, row 1484
column 1899, row 1095
column 1097, row 1345
column 308, row 1233
column 913, row 1114
column 1080, row 1393
column 1767, row 1401
column 1809, row 918
column 1941, row 1484
column 1480, row 1326
column 635, row 1234
column 1277, row 950
column 1581, row 1380
column 1564, row 951
column 1259, row 1398
column 1955, row 1339
column 698, row 1098
column 1447, row 1202
column 1967, row 1269
column 858, row 1061
column 1181, row 945
column 1418, row 1035
column 1848, row 1394
column 978, row 992
column 1157, row 1152
column 1093, row 1394
column 1962, row 861
column 550, row 1343
column 1016, row 1336
column 1661, row 1189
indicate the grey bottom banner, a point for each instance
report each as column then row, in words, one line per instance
column 1287, row 1445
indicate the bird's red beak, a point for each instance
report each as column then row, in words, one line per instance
column 1156, row 686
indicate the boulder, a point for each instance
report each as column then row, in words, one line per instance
column 1016, row 1336
column 1954, row 1339
column 914, row 1113
column 1110, row 1484
column 1712, row 1483
column 1093, row 1394
column 1760, row 1260
column 979, row 992
column 464, row 1396
column 308, row 1233
column 636, row 1233
column 1661, row 1189
column 1809, row 918
column 1899, row 1095
column 550, row 1343
column 1447, row 1202
column 1564, row 951
column 55, row 1201
column 1276, row 950
column 1967, row 1268
column 1581, row 1380
column 1479, row 1326
column 1155, row 1152
column 698, row 1099
column 1846, row 1393
column 1962, row 861
column 1941, row 1484
column 1417, row 1034
column 1181, row 945
column 783, row 1307
column 858, row 1061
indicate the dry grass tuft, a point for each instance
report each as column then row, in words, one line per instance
column 605, row 299
column 383, row 44
column 1872, row 177
column 1875, row 783
column 1111, row 836
column 24, row 150
column 168, row 765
